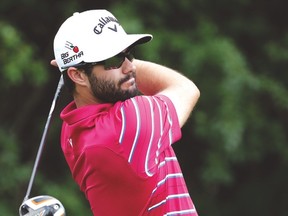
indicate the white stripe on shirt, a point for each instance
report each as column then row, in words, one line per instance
column 173, row 175
column 183, row 212
column 172, row 196
column 123, row 125
column 137, row 130
column 148, row 173
column 170, row 122
column 166, row 160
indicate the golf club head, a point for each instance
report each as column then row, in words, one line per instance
column 42, row 206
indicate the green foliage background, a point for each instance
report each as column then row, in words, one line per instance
column 233, row 153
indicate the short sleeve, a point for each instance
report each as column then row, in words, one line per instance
column 149, row 124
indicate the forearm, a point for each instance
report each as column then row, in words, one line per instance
column 155, row 79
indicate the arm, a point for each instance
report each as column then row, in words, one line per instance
column 153, row 79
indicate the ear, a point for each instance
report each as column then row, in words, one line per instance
column 77, row 76
column 53, row 63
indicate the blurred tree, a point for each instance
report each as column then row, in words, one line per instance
column 234, row 148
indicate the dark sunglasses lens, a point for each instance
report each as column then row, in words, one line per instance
column 114, row 62
column 130, row 56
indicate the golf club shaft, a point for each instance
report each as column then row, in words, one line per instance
column 43, row 139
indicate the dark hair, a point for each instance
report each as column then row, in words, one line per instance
column 69, row 84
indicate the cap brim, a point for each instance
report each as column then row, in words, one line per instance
column 116, row 46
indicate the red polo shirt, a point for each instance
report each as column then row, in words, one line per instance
column 121, row 157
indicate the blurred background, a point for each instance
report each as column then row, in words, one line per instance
column 234, row 150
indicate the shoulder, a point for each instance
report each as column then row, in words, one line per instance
column 147, row 108
column 144, row 102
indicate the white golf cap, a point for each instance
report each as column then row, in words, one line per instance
column 92, row 36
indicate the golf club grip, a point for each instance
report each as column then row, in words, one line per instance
column 43, row 139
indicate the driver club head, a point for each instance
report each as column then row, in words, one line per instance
column 42, row 206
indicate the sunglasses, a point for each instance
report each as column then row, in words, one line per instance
column 111, row 63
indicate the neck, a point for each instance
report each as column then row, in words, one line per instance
column 84, row 99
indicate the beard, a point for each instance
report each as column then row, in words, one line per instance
column 109, row 92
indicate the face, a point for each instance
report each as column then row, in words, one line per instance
column 114, row 85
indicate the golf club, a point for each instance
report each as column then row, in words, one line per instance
column 26, row 202
column 42, row 206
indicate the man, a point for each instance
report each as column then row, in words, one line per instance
column 116, row 141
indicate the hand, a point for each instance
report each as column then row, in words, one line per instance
column 53, row 63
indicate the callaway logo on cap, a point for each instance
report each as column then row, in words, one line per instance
column 92, row 36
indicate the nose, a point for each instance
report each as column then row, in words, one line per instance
column 128, row 66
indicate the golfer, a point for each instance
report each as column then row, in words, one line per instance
column 118, row 132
